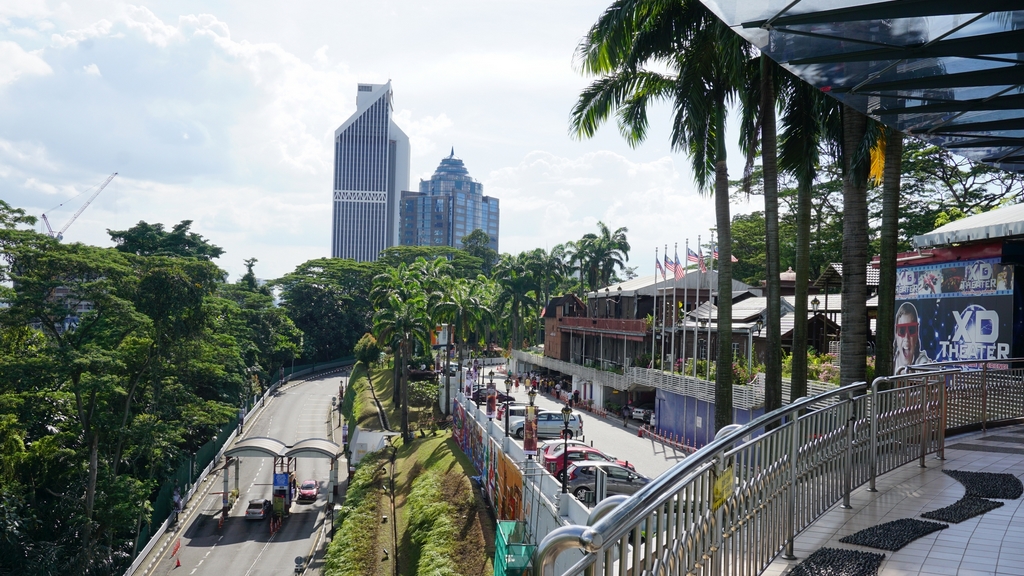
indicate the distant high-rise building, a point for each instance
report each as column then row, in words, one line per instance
column 447, row 208
column 371, row 168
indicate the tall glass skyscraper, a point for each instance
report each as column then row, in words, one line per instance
column 447, row 208
column 371, row 168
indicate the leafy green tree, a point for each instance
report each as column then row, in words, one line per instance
column 515, row 287
column 146, row 239
column 328, row 300
column 403, row 320
column 464, row 264
column 478, row 244
column 367, row 350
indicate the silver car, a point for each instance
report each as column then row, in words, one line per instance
column 549, row 425
column 619, row 479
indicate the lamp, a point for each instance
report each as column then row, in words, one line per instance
column 759, row 324
column 566, row 418
column 814, row 304
column 508, row 392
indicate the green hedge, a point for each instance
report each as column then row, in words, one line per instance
column 348, row 556
column 430, row 523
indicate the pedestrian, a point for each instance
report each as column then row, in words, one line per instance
column 625, row 415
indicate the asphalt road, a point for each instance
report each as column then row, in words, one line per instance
column 609, row 436
column 244, row 547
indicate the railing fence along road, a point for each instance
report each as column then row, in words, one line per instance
column 737, row 503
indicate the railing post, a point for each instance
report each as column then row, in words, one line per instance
column 984, row 397
column 794, row 452
column 924, row 422
column 873, row 457
column 848, row 458
column 942, row 415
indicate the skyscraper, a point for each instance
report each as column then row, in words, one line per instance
column 371, row 168
column 448, row 207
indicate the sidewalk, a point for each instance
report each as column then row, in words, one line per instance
column 988, row 544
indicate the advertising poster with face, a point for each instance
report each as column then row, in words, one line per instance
column 530, row 431
column 492, row 402
column 954, row 311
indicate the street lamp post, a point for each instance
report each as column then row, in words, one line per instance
column 508, row 391
column 532, row 394
column 566, row 416
column 814, row 306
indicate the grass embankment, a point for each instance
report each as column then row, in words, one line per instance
column 443, row 527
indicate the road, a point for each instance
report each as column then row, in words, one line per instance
column 609, row 436
column 245, row 547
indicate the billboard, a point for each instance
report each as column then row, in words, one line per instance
column 953, row 311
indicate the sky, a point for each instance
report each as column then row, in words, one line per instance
column 224, row 114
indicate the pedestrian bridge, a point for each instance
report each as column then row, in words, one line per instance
column 737, row 505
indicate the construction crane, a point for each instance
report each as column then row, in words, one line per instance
column 59, row 235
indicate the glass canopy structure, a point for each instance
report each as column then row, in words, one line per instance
column 950, row 72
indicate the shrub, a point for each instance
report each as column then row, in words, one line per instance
column 430, row 523
column 359, row 515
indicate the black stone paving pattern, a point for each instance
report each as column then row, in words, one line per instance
column 989, row 485
column 893, row 535
column 986, row 448
column 839, row 562
column 964, row 509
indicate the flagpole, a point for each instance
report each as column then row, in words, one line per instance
column 654, row 310
column 675, row 307
column 711, row 269
column 700, row 280
column 682, row 369
column 664, row 311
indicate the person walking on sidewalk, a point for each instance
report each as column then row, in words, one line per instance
column 625, row 415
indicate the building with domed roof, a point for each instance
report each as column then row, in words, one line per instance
column 449, row 206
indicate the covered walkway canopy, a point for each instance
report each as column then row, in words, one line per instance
column 261, row 446
column 947, row 71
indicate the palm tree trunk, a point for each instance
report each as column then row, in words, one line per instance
column 853, row 351
column 769, row 160
column 887, row 258
column 798, row 379
column 404, row 382
column 723, row 377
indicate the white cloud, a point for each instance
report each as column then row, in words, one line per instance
column 16, row 62
column 92, row 69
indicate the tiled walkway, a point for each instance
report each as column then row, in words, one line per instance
column 990, row 544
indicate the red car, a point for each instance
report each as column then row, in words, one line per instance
column 555, row 459
column 308, row 491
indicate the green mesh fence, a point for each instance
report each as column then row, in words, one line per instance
column 511, row 556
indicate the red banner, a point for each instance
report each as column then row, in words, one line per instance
column 530, row 431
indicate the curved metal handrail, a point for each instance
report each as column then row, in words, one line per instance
column 617, row 523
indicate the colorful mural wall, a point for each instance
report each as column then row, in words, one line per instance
column 502, row 478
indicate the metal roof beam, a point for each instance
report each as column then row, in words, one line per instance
column 889, row 10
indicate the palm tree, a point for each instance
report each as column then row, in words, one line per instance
column 462, row 307
column 514, row 288
column 403, row 320
column 705, row 62
column 402, row 283
column 809, row 118
column 611, row 252
column 887, row 252
column 856, row 160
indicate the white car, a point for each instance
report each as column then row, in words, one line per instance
column 549, row 425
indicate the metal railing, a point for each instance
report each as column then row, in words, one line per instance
column 737, row 503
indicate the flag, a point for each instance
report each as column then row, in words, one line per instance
column 658, row 268
column 703, row 263
column 669, row 266
column 731, row 257
column 691, row 256
column 677, row 268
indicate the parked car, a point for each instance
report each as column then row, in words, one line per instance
column 480, row 395
column 514, row 410
column 555, row 460
column 643, row 412
column 258, row 509
column 582, row 479
column 549, row 425
column 308, row 491
column 549, row 446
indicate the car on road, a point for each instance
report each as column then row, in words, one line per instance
column 549, row 425
column 556, row 459
column 582, row 479
column 258, row 509
column 643, row 412
column 480, row 395
column 550, row 446
column 308, row 491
